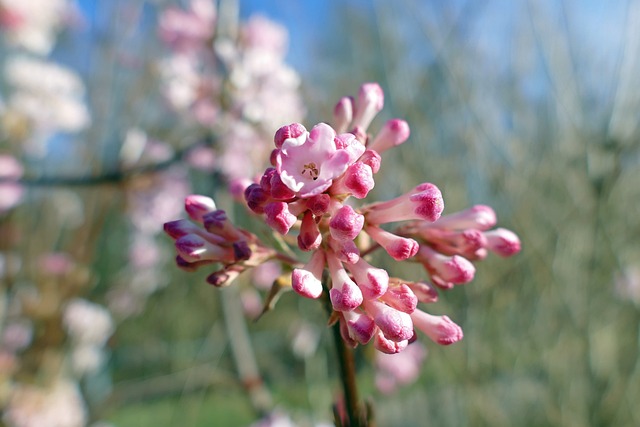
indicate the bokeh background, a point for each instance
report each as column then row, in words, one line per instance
column 531, row 107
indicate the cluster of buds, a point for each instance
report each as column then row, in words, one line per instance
column 313, row 179
column 211, row 238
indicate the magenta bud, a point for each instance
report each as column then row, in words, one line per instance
column 356, row 181
column 399, row 248
column 279, row 190
column 343, row 114
column 372, row 159
column 319, row 205
column 346, row 224
column 502, row 241
column 307, row 281
column 385, row 345
column 440, row 329
column 241, row 250
column 196, row 206
column 360, row 326
column 278, row 217
column 265, row 179
column 309, row 238
column 401, row 298
column 256, row 198
column 294, row 130
column 179, row 228
column 394, row 324
column 393, row 133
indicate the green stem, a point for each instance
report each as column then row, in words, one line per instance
column 353, row 408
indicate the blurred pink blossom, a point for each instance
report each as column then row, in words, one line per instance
column 401, row 369
column 32, row 24
column 10, row 192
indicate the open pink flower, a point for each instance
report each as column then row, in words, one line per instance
column 309, row 163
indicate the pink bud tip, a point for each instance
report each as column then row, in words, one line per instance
column 369, row 102
column 178, row 228
column 347, row 297
column 429, row 201
column 256, row 198
column 394, row 324
column 343, row 113
column 399, row 248
column 306, row 281
column 480, row 217
column 401, row 298
column 278, row 217
column 346, row 224
column 387, row 346
column 393, row 133
column 372, row 159
column 309, row 237
column 293, row 130
column 373, row 282
column 279, row 190
column 197, row 206
column 440, row 329
column 361, row 327
column 503, row 242
column 356, row 181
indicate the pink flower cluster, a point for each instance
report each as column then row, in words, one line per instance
column 314, row 177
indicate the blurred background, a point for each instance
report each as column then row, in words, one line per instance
column 111, row 112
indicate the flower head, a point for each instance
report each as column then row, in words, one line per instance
column 308, row 163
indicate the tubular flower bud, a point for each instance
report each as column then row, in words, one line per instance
column 309, row 238
column 345, row 250
column 278, row 217
column 185, row 265
column 294, row 131
column 423, row 202
column 343, row 114
column 480, row 217
column 192, row 247
column 196, row 206
column 307, row 281
column 360, row 326
column 502, row 241
column 401, row 298
column 385, row 345
column 425, row 292
column 399, row 248
column 357, row 181
column 225, row 277
column 373, row 282
column 394, row 324
column 182, row 227
column 345, row 295
column 346, row 224
column 218, row 223
column 372, row 159
column 392, row 134
column 440, row 329
column 349, row 143
column 454, row 269
column 451, row 242
column 369, row 102
column 256, row 198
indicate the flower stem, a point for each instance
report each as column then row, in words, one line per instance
column 353, row 408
